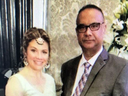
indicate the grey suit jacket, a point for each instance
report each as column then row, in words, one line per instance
column 108, row 77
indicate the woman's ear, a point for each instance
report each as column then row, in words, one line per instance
column 24, row 52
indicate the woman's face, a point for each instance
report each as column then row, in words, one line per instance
column 37, row 55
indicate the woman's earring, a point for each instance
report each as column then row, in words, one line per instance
column 25, row 61
column 47, row 66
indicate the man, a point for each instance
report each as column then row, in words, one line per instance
column 107, row 75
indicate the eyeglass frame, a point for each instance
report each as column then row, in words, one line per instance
column 86, row 26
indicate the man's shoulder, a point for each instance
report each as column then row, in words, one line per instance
column 118, row 59
column 77, row 58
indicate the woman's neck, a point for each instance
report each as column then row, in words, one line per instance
column 28, row 71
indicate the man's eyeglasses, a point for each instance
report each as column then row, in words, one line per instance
column 81, row 28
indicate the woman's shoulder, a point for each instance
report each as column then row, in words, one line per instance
column 13, row 81
column 48, row 76
column 13, row 78
column 50, row 85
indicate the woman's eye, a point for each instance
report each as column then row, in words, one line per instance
column 45, row 52
column 33, row 50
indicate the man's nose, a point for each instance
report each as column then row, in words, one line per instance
column 88, row 31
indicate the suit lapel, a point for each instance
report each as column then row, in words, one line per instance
column 74, row 67
column 100, row 62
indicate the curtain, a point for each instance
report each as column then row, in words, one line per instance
column 15, row 18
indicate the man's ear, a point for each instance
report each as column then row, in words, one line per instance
column 76, row 31
column 105, row 28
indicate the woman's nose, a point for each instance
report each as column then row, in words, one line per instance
column 39, row 55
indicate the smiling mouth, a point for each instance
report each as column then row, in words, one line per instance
column 38, row 63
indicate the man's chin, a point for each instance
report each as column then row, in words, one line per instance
column 88, row 46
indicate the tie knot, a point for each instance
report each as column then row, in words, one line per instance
column 87, row 65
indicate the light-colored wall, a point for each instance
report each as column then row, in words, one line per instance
column 61, row 28
column 40, row 13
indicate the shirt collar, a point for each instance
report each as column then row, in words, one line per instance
column 92, row 60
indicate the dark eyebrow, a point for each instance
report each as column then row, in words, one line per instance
column 81, row 25
column 89, row 24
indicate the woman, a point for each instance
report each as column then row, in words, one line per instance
column 31, row 81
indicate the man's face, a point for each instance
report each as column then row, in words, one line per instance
column 91, row 39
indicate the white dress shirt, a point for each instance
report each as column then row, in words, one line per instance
column 81, row 67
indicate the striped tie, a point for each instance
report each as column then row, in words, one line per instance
column 82, row 81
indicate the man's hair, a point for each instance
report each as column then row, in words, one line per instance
column 89, row 6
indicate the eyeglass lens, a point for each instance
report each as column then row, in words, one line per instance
column 93, row 27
